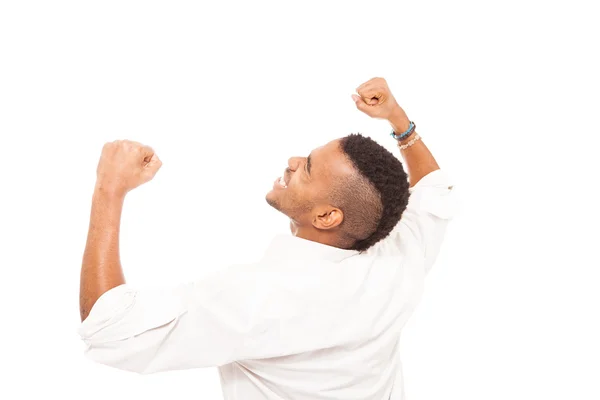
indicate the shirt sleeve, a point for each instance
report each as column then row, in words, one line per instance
column 246, row 312
column 432, row 204
column 239, row 313
column 192, row 325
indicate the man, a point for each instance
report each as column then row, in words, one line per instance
column 320, row 315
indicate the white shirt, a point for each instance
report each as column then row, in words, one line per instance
column 308, row 321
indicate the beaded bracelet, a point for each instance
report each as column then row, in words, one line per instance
column 407, row 133
column 409, row 143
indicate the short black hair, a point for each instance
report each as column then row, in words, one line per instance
column 378, row 195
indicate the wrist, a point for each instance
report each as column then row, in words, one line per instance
column 408, row 138
column 399, row 121
column 109, row 192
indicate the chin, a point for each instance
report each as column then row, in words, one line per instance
column 275, row 201
column 272, row 200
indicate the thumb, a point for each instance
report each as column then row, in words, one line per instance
column 360, row 103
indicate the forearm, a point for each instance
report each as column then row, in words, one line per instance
column 101, row 268
column 417, row 158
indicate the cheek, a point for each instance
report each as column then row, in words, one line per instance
column 296, row 190
column 300, row 197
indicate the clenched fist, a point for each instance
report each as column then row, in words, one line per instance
column 376, row 100
column 125, row 165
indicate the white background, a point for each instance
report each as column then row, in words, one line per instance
column 505, row 93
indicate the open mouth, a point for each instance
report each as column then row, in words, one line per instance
column 280, row 183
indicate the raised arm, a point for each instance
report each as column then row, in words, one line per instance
column 123, row 166
column 376, row 100
column 418, row 159
column 432, row 203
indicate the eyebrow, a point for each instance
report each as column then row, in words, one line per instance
column 308, row 164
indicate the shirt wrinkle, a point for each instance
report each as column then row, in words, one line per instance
column 307, row 321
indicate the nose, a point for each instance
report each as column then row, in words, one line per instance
column 295, row 162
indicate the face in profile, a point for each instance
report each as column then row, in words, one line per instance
column 349, row 193
column 306, row 183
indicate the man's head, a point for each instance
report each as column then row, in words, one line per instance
column 349, row 193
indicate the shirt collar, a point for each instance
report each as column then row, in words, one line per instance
column 286, row 246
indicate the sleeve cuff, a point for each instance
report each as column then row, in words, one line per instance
column 123, row 312
column 109, row 306
column 434, row 194
column 437, row 178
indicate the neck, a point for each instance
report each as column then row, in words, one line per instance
column 316, row 235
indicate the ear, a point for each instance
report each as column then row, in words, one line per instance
column 327, row 217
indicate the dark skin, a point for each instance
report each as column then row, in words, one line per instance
column 124, row 165
column 305, row 198
column 376, row 100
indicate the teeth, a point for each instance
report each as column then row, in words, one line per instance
column 282, row 182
